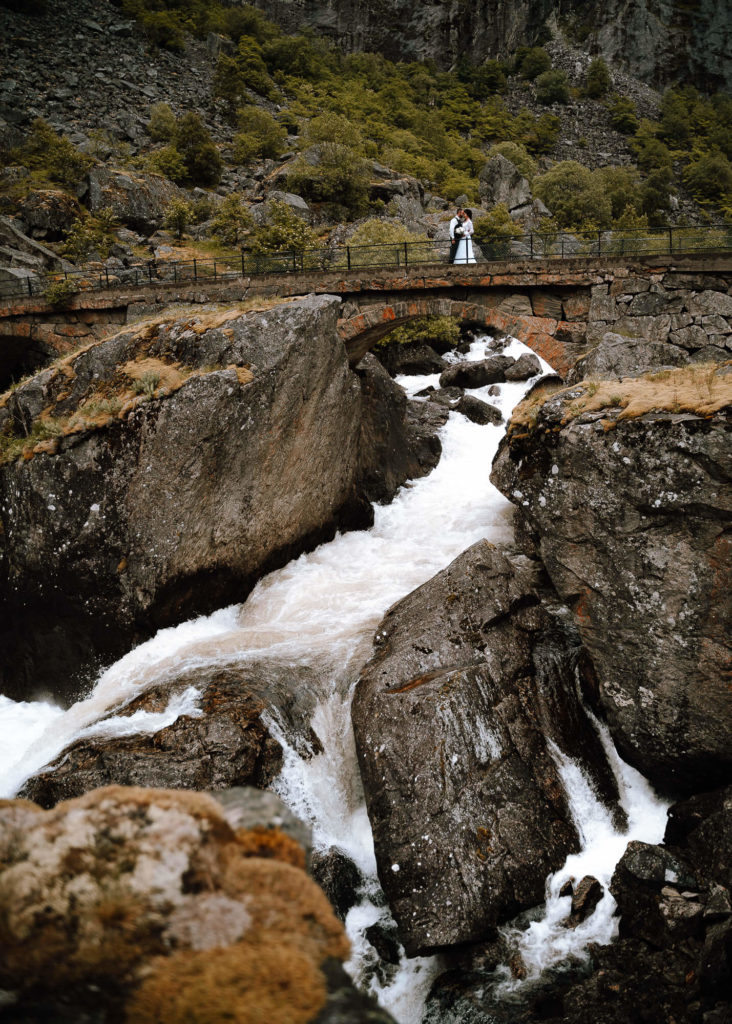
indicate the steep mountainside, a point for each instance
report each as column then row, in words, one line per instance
column 660, row 41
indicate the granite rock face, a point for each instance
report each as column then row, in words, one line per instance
column 150, row 905
column 631, row 516
column 453, row 716
column 656, row 40
column 138, row 200
column 219, row 743
column 672, row 959
column 179, row 461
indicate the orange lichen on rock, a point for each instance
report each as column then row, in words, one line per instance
column 251, row 983
column 151, row 896
column 271, row 843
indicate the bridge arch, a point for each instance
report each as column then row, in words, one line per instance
column 361, row 328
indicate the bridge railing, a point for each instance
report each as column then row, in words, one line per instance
column 397, row 255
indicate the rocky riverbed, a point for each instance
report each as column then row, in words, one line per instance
column 484, row 697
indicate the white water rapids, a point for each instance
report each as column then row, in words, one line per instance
column 321, row 610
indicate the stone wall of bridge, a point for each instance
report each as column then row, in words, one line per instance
column 563, row 309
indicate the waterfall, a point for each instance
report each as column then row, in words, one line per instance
column 320, row 610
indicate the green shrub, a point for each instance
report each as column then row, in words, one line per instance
column 576, row 197
column 533, row 62
column 300, row 56
column 146, row 384
column 709, row 177
column 541, row 136
column 495, row 225
column 168, row 162
column 650, row 152
column 285, row 232
column 676, row 126
column 162, row 29
column 203, row 209
column 202, row 160
column 341, row 175
column 623, row 116
column 631, row 220
column 262, row 131
column 253, row 69
column 597, row 80
column 439, row 332
column 161, row 126
column 487, row 80
column 59, row 293
column 621, row 186
column 46, row 151
column 231, row 220
column 178, row 215
column 552, row 87
column 228, row 84
column 382, row 232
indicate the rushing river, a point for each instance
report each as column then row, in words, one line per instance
column 321, row 610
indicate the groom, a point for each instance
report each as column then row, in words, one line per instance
column 455, row 223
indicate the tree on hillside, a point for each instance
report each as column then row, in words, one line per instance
column 576, row 198
column 334, row 171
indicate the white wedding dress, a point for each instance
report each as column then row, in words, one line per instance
column 464, row 252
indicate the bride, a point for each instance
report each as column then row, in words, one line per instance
column 464, row 252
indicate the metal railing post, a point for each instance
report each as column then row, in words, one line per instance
column 294, row 262
column 175, row 272
column 406, row 254
column 106, row 276
column 531, row 245
column 30, row 287
column 195, row 269
column 348, row 256
column 214, row 269
column 562, row 250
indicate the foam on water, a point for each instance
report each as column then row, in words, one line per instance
column 549, row 941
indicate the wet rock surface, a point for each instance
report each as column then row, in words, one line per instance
column 672, row 959
column 223, row 743
column 478, row 411
column 189, row 456
column 398, row 438
column 162, row 909
column 631, row 518
column 451, row 715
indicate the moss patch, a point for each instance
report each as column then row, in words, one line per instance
column 702, row 389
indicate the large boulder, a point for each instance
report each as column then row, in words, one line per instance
column 452, row 717
column 49, row 213
column 675, row 931
column 163, row 471
column 396, row 443
column 500, row 181
column 218, row 740
column 624, row 486
column 150, row 905
column 478, row 373
column 139, row 200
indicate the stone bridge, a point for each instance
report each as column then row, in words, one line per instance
column 560, row 308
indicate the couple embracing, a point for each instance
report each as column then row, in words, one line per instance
column 461, row 230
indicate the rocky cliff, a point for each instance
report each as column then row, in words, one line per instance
column 624, row 487
column 659, row 41
column 162, row 472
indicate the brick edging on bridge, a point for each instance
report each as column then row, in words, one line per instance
column 569, row 272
